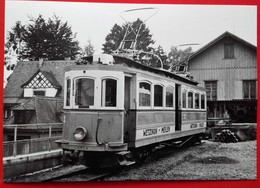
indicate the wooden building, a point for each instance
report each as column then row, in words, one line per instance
column 227, row 68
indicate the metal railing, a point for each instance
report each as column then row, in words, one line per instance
column 22, row 139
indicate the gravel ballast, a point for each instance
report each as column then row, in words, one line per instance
column 208, row 161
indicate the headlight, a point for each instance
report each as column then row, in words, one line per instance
column 80, row 133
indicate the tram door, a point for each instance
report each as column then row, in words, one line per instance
column 178, row 107
column 127, row 115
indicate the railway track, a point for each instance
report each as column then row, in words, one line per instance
column 80, row 173
column 70, row 173
column 84, row 175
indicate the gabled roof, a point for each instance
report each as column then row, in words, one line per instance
column 25, row 70
column 222, row 36
column 48, row 75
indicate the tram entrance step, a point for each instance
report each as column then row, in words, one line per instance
column 126, row 163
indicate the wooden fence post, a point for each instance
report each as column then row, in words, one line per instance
column 49, row 148
column 15, row 142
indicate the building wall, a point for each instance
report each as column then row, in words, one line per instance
column 49, row 92
column 229, row 73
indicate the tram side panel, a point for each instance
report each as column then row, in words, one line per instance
column 193, row 105
column 153, row 126
column 192, row 120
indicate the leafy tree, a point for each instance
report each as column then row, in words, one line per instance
column 13, row 45
column 117, row 33
column 176, row 56
column 50, row 39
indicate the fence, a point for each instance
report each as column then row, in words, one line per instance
column 21, row 139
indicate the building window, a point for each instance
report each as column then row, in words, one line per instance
column 7, row 112
column 181, row 68
column 109, row 88
column 169, row 97
column 190, row 100
column 184, row 98
column 197, row 101
column 229, row 51
column 202, row 105
column 211, row 90
column 21, row 116
column 249, row 89
column 158, row 96
column 38, row 93
column 84, row 96
column 144, row 94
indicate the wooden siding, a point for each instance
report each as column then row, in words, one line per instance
column 229, row 73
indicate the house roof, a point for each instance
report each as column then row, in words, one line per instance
column 222, row 36
column 50, row 77
column 25, row 70
column 27, row 105
column 46, row 109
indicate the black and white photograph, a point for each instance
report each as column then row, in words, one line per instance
column 129, row 92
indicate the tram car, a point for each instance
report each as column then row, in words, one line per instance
column 115, row 106
column 119, row 107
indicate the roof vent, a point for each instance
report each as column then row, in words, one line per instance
column 105, row 59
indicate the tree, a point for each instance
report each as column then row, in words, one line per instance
column 176, row 56
column 160, row 52
column 88, row 49
column 50, row 39
column 116, row 35
column 13, row 45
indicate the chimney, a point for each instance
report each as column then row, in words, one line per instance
column 41, row 62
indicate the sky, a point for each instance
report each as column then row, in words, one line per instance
column 172, row 25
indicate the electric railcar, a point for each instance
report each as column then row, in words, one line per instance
column 116, row 107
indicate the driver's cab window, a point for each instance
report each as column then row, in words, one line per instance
column 84, row 94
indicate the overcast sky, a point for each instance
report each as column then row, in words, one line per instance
column 173, row 25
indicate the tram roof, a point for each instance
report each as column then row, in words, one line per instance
column 131, row 63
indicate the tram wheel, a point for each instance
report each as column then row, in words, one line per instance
column 143, row 155
column 69, row 157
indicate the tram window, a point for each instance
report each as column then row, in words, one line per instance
column 158, row 96
column 169, row 97
column 68, row 93
column 109, row 87
column 84, row 96
column 184, row 100
column 197, row 99
column 202, row 101
column 190, row 100
column 144, row 94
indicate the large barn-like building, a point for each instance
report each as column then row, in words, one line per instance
column 227, row 68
